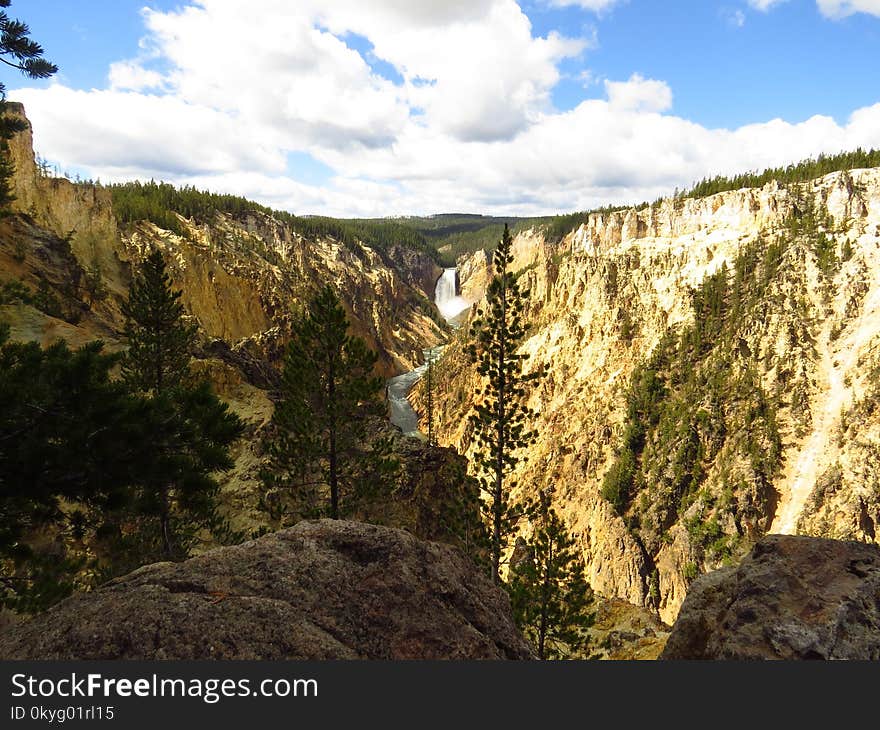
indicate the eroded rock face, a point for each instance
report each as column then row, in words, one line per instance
column 791, row 598
column 602, row 300
column 624, row 632
column 319, row 590
column 241, row 277
column 417, row 269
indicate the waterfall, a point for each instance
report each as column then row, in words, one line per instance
column 451, row 305
column 446, row 295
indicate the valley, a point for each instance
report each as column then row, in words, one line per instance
column 774, row 287
column 499, row 338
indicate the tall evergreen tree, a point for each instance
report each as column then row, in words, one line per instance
column 191, row 429
column 318, row 451
column 17, row 51
column 159, row 339
column 453, row 511
column 550, row 596
column 500, row 417
column 71, row 446
column 429, row 399
column 188, row 432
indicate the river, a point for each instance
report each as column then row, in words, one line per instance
column 451, row 306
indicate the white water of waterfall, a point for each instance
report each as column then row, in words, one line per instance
column 446, row 295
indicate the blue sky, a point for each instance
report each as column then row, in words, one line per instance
column 791, row 62
column 354, row 108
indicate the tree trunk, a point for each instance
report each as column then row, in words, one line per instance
column 500, row 445
column 545, row 600
column 165, row 524
column 334, row 477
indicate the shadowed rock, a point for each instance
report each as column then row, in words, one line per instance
column 791, row 598
column 319, row 590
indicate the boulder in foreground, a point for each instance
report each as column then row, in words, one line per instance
column 792, row 597
column 320, row 590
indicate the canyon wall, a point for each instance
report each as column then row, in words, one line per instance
column 712, row 377
column 241, row 276
column 65, row 269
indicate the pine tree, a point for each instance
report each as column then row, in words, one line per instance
column 550, row 596
column 82, row 456
column 158, row 338
column 191, row 428
column 429, row 399
column 500, row 416
column 71, row 447
column 94, row 284
column 318, row 452
column 459, row 516
column 18, row 51
column 188, row 432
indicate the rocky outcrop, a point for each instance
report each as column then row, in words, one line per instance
column 791, row 598
column 416, row 267
column 623, row 632
column 84, row 213
column 473, row 275
column 320, row 590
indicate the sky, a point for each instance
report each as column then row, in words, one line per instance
column 357, row 108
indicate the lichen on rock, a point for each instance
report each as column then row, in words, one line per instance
column 319, row 590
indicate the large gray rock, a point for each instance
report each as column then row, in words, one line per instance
column 790, row 598
column 319, row 590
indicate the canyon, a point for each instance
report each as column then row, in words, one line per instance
column 790, row 448
column 241, row 277
column 766, row 417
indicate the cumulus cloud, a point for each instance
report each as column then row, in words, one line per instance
column 112, row 132
column 473, row 69
column 131, row 76
column 479, row 75
column 639, row 94
column 465, row 123
column 280, row 73
column 842, row 8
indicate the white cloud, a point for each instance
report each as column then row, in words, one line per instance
column 639, row 94
column 131, row 76
column 279, row 73
column 597, row 6
column 765, row 5
column 586, row 78
column 470, row 127
column 473, row 68
column 842, row 8
column 834, row 9
column 113, row 132
column 487, row 76
column 737, row 18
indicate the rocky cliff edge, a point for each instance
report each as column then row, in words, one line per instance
column 320, row 590
column 791, row 598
